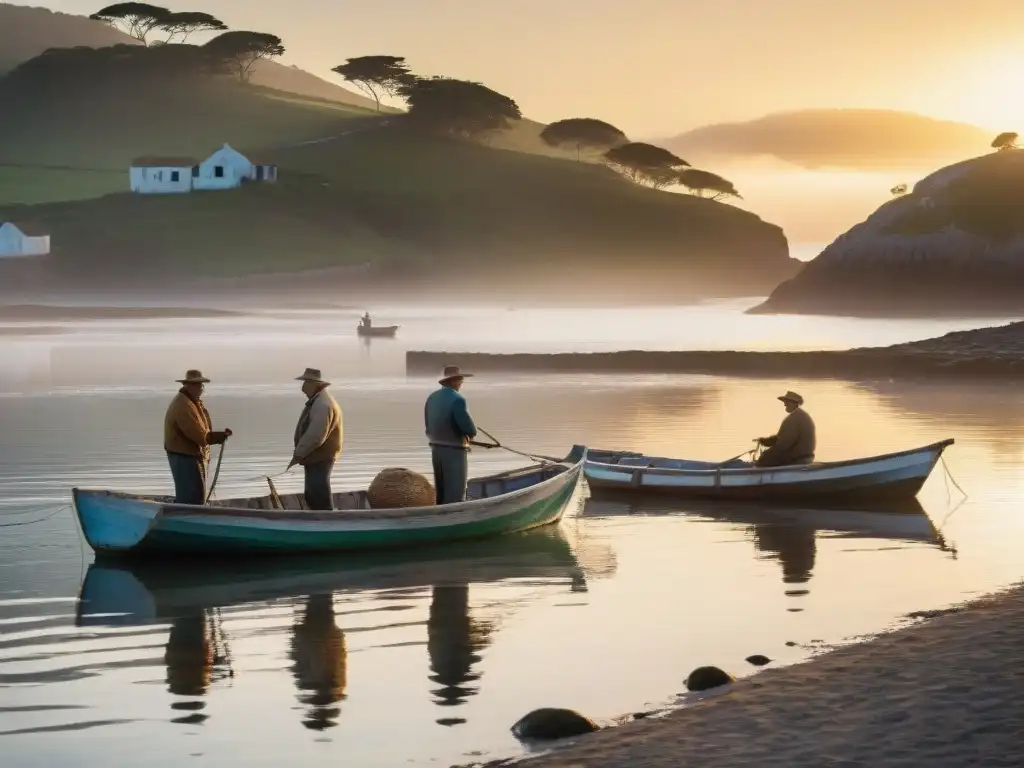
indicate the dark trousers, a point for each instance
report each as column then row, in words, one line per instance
column 189, row 475
column 451, row 471
column 318, row 485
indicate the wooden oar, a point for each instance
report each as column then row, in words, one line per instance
column 273, row 495
column 740, row 456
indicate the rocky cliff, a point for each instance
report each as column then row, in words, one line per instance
column 954, row 245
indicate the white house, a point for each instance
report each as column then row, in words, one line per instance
column 22, row 239
column 228, row 168
column 162, row 175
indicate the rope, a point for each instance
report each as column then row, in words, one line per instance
column 533, row 456
column 216, row 474
column 952, row 479
column 37, row 520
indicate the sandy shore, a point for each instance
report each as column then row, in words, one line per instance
column 946, row 692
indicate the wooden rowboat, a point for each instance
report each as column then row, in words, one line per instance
column 378, row 331
column 122, row 524
column 878, row 479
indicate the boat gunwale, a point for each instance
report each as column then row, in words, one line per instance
column 435, row 511
column 938, row 447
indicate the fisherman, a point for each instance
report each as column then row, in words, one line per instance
column 318, row 438
column 795, row 442
column 188, row 436
column 367, row 322
column 449, row 429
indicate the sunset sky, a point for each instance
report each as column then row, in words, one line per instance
column 657, row 67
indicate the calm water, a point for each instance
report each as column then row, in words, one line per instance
column 429, row 660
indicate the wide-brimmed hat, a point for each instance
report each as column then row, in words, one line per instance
column 791, row 397
column 452, row 372
column 312, row 374
column 193, row 376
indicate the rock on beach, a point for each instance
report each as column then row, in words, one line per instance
column 944, row 693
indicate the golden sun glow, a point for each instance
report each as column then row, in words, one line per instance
column 987, row 90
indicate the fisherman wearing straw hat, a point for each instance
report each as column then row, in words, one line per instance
column 188, row 436
column 796, row 441
column 318, row 438
column 449, row 429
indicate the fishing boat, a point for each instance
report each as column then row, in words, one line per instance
column 378, row 331
column 885, row 478
column 130, row 592
column 124, row 524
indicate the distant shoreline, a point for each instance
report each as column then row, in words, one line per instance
column 29, row 313
column 986, row 352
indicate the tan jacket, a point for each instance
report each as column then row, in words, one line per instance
column 796, row 441
column 187, row 428
column 318, row 435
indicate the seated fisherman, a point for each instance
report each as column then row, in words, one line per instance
column 795, row 442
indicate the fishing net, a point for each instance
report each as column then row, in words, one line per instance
column 396, row 488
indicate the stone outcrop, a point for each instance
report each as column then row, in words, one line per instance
column 953, row 246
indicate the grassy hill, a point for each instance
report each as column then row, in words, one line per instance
column 837, row 138
column 26, row 32
column 355, row 189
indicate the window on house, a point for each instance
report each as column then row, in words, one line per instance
column 175, row 176
column 195, row 171
column 218, row 171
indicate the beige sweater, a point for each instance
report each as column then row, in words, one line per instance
column 318, row 435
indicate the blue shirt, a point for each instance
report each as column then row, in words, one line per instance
column 447, row 420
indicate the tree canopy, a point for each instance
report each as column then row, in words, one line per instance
column 240, row 50
column 458, row 108
column 376, row 76
column 583, row 133
column 135, row 19
column 114, row 66
column 646, row 163
column 706, row 184
column 183, row 25
column 1007, row 140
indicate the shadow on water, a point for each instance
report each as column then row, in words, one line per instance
column 190, row 596
column 790, row 534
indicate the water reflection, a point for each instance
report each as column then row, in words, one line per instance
column 792, row 545
column 320, row 662
column 990, row 410
column 454, row 641
column 197, row 653
column 196, row 656
column 789, row 535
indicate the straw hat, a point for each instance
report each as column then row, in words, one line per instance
column 792, row 397
column 192, row 376
column 312, row 374
column 452, row 372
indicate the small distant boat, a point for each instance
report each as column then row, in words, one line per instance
column 886, row 478
column 378, row 331
column 123, row 524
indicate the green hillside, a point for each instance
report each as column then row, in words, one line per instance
column 355, row 188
